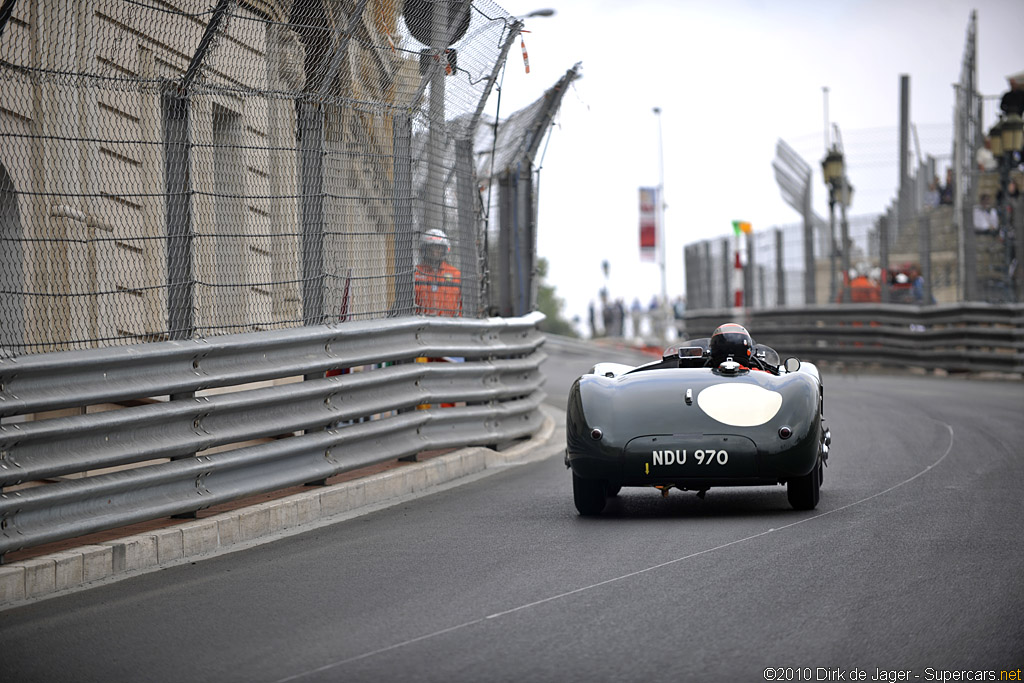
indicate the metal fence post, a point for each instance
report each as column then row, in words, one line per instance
column 469, row 252
column 177, row 174
column 810, row 269
column 501, row 277
column 844, row 237
column 727, row 271
column 523, row 239
column 690, row 268
column 749, row 273
column 780, row 270
column 311, row 208
column 924, row 238
column 883, row 255
column 405, row 238
column 707, row 286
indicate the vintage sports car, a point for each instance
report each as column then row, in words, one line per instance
column 719, row 411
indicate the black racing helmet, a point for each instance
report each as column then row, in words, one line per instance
column 732, row 340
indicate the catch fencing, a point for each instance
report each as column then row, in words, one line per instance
column 941, row 240
column 186, row 169
column 101, row 438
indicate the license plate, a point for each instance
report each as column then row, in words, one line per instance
column 692, row 456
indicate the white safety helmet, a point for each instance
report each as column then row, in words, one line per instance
column 435, row 237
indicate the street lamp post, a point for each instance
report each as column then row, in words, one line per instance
column 1006, row 140
column 661, row 232
column 833, row 169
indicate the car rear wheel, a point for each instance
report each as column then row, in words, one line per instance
column 803, row 492
column 588, row 494
column 612, row 490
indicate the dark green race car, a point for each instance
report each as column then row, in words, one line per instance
column 720, row 411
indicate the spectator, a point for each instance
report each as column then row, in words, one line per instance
column 437, row 284
column 986, row 218
column 635, row 311
column 931, row 197
column 946, row 193
column 620, row 318
column 917, row 287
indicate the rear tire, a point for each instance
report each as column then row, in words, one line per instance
column 612, row 490
column 588, row 494
column 804, row 492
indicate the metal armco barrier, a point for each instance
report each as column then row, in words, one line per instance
column 324, row 425
column 968, row 337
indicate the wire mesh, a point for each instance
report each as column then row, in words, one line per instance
column 182, row 169
column 944, row 237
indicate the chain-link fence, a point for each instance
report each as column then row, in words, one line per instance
column 939, row 240
column 183, row 169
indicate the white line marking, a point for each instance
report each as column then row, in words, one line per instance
column 638, row 572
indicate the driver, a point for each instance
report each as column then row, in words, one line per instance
column 733, row 341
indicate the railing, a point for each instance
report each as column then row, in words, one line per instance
column 158, row 410
column 969, row 337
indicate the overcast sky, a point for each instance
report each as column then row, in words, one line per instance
column 731, row 78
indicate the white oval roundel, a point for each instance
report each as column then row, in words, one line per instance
column 739, row 404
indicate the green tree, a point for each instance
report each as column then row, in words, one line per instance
column 551, row 305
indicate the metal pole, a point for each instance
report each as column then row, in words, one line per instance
column 177, row 174
column 780, row 271
column 437, row 133
column 925, row 246
column 341, row 49
column 661, row 221
column 727, row 274
column 405, row 226
column 844, row 235
column 810, row 267
column 220, row 12
column 831, row 248
column 311, row 209
column 469, row 252
column 749, row 272
column 904, row 191
column 883, row 254
column 5, row 14
column 513, row 31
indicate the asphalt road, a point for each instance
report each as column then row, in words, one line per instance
column 913, row 561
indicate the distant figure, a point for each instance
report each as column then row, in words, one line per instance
column 946, row 193
column 438, row 285
column 635, row 311
column 931, row 197
column 986, row 160
column 986, row 218
column 679, row 313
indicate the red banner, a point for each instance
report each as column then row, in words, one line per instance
column 648, row 223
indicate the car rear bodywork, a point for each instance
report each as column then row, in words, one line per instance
column 695, row 428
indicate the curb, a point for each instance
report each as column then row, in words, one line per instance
column 60, row 573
